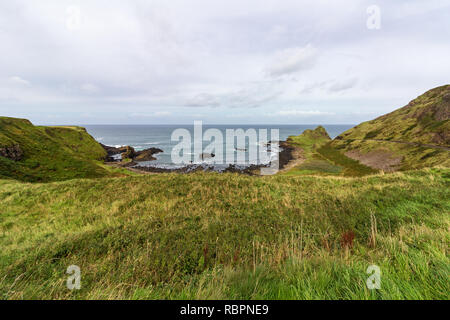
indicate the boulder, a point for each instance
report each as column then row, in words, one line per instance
column 128, row 152
column 147, row 154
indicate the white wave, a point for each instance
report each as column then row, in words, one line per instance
column 149, row 143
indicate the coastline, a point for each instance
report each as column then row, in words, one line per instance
column 287, row 156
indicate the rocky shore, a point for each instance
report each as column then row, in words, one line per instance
column 127, row 152
column 120, row 155
column 250, row 170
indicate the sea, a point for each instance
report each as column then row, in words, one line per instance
column 142, row 137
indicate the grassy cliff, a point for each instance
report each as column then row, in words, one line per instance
column 48, row 153
column 319, row 158
column 227, row 236
column 415, row 136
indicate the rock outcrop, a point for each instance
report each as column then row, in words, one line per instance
column 147, row 154
column 128, row 152
column 12, row 152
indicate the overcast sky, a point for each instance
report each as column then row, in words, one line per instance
column 224, row 62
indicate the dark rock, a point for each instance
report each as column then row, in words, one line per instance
column 110, row 150
column 286, row 153
column 128, row 152
column 12, row 152
column 147, row 154
column 204, row 156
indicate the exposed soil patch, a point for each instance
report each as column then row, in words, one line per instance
column 296, row 158
column 378, row 159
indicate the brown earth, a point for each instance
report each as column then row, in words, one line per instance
column 297, row 159
column 378, row 159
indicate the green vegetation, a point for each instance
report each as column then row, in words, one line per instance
column 350, row 167
column 50, row 153
column 310, row 140
column 310, row 232
column 424, row 122
column 321, row 158
column 204, row 236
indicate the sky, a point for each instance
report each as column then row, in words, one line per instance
column 222, row 62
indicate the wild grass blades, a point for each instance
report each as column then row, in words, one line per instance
column 234, row 237
column 373, row 231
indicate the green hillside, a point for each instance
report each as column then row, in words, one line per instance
column 227, row 236
column 319, row 158
column 48, row 153
column 415, row 136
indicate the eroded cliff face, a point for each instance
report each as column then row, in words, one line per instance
column 13, row 152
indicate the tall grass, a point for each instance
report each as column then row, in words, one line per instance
column 211, row 236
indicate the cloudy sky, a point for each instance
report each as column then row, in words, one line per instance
column 234, row 61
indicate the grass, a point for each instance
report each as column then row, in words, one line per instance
column 50, row 153
column 316, row 165
column 214, row 236
column 320, row 158
column 310, row 140
column 350, row 167
column 425, row 120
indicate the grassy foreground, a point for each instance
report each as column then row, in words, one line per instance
column 213, row 236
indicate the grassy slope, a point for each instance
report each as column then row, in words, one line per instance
column 321, row 158
column 227, row 236
column 424, row 120
column 51, row 153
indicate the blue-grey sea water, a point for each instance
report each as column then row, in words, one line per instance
column 159, row 136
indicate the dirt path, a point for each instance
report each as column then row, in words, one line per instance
column 298, row 159
column 416, row 144
column 384, row 160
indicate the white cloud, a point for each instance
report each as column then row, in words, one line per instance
column 346, row 84
column 294, row 112
column 19, row 81
column 203, row 100
column 151, row 114
column 162, row 113
column 291, row 60
column 89, row 88
column 145, row 56
column 330, row 86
